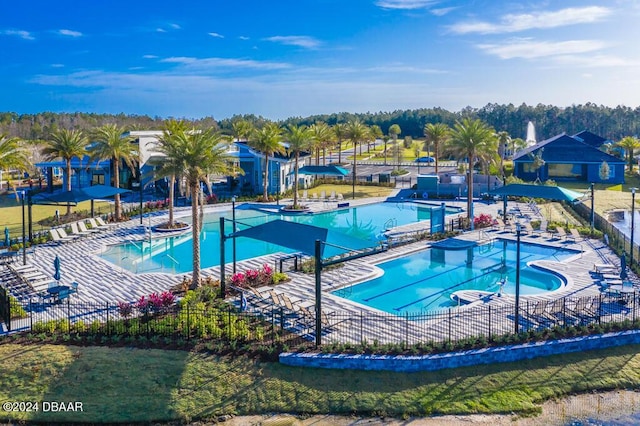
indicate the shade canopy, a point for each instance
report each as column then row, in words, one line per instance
column 538, row 191
column 301, row 237
column 623, row 267
column 77, row 195
column 7, row 240
column 323, row 170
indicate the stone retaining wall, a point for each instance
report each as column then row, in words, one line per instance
column 434, row 362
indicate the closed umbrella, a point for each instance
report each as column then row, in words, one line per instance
column 56, row 267
column 7, row 240
column 623, row 267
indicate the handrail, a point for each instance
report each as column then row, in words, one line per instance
column 172, row 258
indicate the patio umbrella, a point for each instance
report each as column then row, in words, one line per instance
column 7, row 240
column 623, row 267
column 56, row 267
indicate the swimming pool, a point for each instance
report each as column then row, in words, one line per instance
column 354, row 227
column 424, row 281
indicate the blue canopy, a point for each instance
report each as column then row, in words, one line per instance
column 77, row 195
column 323, row 170
column 538, row 191
column 301, row 237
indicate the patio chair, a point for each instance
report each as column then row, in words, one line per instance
column 57, row 238
column 560, row 233
column 528, row 229
column 83, row 228
column 314, row 197
column 323, row 195
column 332, row 196
column 94, row 225
column 76, row 231
column 63, row 234
column 339, row 196
column 305, row 195
column 101, row 222
column 575, row 234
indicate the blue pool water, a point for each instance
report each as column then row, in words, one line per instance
column 355, row 227
column 424, row 281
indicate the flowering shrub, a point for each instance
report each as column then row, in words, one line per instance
column 253, row 277
column 482, row 221
column 125, row 309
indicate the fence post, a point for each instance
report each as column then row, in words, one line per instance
column 68, row 316
column 489, row 307
column 406, row 329
column 449, row 325
column 30, row 315
column 361, row 326
column 107, row 332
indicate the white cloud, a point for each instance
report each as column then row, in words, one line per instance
column 243, row 38
column 216, row 35
column 405, row 4
column 57, row 65
column 161, row 30
column 442, row 11
column 150, row 56
column 522, row 22
column 175, row 26
column 529, row 49
column 300, row 41
column 69, row 33
column 26, row 35
column 206, row 63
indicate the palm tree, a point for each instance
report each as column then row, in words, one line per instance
column 503, row 142
column 339, row 130
column 394, row 131
column 356, row 132
column 201, row 153
column 170, row 165
column 66, row 144
column 471, row 139
column 267, row 140
column 376, row 133
column 322, row 135
column 13, row 154
column 242, row 129
column 629, row 144
column 437, row 134
column 109, row 144
column 299, row 138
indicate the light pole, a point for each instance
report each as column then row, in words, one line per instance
column 24, row 233
column 593, row 212
column 233, row 217
column 517, row 313
column 633, row 215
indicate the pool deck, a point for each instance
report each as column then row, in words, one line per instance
column 101, row 281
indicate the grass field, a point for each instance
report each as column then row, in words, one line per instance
column 11, row 213
column 362, row 191
column 136, row 385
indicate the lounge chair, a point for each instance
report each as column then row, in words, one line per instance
column 602, row 268
column 340, row 197
column 575, row 234
column 560, row 232
column 314, row 197
column 323, row 195
column 101, row 222
column 332, row 196
column 83, row 228
column 63, row 234
column 95, row 225
column 305, row 195
column 528, row 229
column 57, row 238
column 76, row 231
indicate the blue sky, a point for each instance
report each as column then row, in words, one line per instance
column 289, row 58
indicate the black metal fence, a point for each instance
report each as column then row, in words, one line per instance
column 267, row 323
column 616, row 239
column 5, row 308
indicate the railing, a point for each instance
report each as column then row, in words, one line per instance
column 265, row 321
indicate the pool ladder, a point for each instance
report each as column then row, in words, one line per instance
column 391, row 223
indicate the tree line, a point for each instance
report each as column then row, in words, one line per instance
column 611, row 123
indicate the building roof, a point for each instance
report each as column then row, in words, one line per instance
column 566, row 149
column 590, row 138
column 77, row 163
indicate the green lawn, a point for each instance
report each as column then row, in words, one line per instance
column 137, row 385
column 11, row 213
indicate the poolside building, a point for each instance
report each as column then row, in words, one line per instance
column 569, row 158
column 85, row 172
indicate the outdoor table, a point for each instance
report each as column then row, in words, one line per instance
column 54, row 292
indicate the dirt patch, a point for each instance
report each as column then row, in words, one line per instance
column 599, row 406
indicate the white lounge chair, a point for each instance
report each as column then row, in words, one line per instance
column 340, row 197
column 83, row 228
column 95, row 225
column 57, row 238
column 76, row 231
column 63, row 234
column 101, row 222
